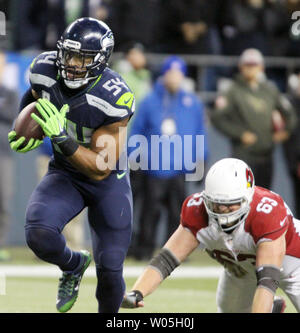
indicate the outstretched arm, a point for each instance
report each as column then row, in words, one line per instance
column 269, row 258
column 176, row 250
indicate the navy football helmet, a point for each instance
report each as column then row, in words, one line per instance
column 91, row 42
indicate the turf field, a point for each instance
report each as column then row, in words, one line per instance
column 38, row 294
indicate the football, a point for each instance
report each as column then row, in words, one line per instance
column 26, row 126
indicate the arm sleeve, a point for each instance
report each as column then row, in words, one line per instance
column 26, row 99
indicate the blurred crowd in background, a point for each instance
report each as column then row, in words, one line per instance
column 215, row 27
column 177, row 26
column 256, row 108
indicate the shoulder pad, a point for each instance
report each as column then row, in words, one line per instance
column 112, row 96
column 43, row 71
column 193, row 213
column 269, row 217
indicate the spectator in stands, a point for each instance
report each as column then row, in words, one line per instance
column 247, row 114
column 38, row 24
column 187, row 25
column 250, row 24
column 292, row 145
column 8, row 107
column 133, row 69
column 167, row 111
column 138, row 21
column 100, row 9
column 190, row 27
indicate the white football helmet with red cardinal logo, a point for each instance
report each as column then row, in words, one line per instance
column 229, row 181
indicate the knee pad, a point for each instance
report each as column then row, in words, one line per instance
column 111, row 260
column 44, row 242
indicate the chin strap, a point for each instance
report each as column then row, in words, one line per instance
column 75, row 84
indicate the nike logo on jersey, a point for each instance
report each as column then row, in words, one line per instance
column 129, row 99
column 121, row 175
column 282, row 222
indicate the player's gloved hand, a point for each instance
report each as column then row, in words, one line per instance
column 54, row 125
column 133, row 299
column 18, row 144
column 53, row 121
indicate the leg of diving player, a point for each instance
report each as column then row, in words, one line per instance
column 235, row 295
column 52, row 205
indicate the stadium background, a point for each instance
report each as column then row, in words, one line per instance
column 18, row 60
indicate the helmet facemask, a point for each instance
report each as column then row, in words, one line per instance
column 227, row 221
column 78, row 76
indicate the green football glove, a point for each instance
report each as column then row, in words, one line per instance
column 17, row 144
column 53, row 122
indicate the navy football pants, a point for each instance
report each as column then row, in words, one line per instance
column 57, row 199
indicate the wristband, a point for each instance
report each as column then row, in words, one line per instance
column 66, row 144
column 138, row 296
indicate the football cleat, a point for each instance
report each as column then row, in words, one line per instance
column 69, row 285
column 278, row 305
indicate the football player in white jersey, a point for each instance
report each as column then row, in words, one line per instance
column 248, row 229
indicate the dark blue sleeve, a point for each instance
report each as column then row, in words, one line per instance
column 43, row 72
column 26, row 99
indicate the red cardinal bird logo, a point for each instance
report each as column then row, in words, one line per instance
column 249, row 177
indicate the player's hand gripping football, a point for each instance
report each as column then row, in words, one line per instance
column 18, row 144
column 53, row 121
column 133, row 299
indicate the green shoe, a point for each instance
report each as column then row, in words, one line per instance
column 69, row 285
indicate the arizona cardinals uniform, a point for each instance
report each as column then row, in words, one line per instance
column 269, row 218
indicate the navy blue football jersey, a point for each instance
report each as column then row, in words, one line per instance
column 105, row 100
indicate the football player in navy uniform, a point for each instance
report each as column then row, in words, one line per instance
column 84, row 107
